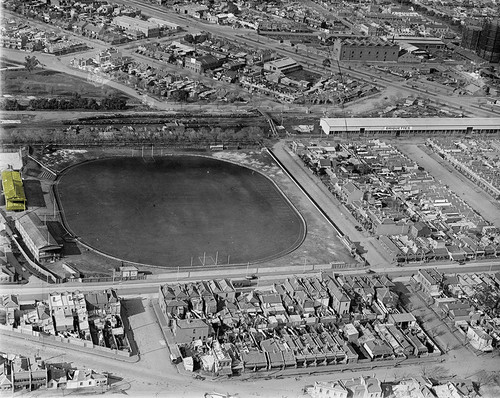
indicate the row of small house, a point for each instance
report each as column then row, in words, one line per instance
column 341, row 294
column 415, row 216
column 302, row 322
column 21, row 36
column 92, row 316
column 18, row 372
column 470, row 301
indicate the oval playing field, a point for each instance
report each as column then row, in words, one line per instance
column 178, row 210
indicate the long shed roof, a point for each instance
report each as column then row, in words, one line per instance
column 433, row 123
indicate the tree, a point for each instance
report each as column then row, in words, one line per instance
column 30, row 63
column 327, row 63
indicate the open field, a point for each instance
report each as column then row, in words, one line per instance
column 47, row 83
column 176, row 210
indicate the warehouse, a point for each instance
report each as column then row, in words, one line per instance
column 283, row 65
column 12, row 186
column 137, row 26
column 410, row 126
column 37, row 237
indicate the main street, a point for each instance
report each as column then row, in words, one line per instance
column 160, row 379
column 38, row 290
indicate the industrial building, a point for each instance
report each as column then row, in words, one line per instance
column 137, row 26
column 37, row 238
column 407, row 126
column 423, row 43
column 165, row 25
column 12, row 185
column 284, row 65
column 365, row 50
column 202, row 63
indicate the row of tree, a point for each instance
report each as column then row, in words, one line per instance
column 113, row 102
column 248, row 135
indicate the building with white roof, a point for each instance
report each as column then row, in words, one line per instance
column 410, row 126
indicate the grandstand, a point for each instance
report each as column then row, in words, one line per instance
column 12, row 185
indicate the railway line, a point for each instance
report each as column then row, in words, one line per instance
column 310, row 59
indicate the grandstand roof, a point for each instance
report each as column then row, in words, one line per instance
column 13, row 190
column 38, row 232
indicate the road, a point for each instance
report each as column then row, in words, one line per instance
column 330, row 205
column 249, row 38
column 153, row 375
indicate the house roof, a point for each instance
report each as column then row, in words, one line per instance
column 9, row 301
column 404, row 317
column 378, row 347
column 191, row 323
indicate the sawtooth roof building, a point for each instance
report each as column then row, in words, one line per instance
column 12, row 185
column 410, row 126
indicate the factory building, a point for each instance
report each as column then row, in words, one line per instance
column 137, row 26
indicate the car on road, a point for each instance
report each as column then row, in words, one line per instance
column 251, row 277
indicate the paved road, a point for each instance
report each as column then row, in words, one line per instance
column 161, row 379
column 39, row 290
column 314, row 61
column 330, row 205
column 479, row 200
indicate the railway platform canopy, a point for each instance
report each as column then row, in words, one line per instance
column 12, row 185
column 410, row 126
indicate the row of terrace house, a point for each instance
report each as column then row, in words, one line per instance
column 93, row 316
column 469, row 301
column 415, row 217
column 300, row 322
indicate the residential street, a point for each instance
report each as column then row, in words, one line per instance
column 147, row 379
column 330, row 205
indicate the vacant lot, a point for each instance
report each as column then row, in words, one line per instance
column 46, row 83
column 180, row 209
